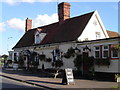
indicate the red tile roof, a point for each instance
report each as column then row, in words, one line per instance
column 113, row 34
column 68, row 30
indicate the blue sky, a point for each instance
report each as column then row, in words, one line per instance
column 42, row 13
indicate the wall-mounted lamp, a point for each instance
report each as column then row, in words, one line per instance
column 86, row 48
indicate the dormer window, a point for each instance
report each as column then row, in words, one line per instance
column 39, row 37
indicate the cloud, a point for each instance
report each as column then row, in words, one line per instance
column 2, row 27
column 16, row 23
column 13, row 2
column 28, row 1
column 41, row 20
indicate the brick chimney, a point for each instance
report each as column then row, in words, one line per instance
column 28, row 25
column 63, row 11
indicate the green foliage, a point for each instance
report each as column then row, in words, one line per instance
column 21, row 60
column 34, row 63
column 116, row 47
column 78, row 61
column 4, row 56
column 102, row 61
column 88, row 61
column 70, row 53
column 117, row 75
column 67, row 55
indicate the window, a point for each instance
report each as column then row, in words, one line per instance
column 85, row 39
column 97, row 52
column 105, row 51
column 15, row 56
column 37, row 39
column 114, row 53
column 98, row 35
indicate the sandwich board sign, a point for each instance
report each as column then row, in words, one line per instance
column 69, row 76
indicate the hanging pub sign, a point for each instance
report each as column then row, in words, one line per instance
column 69, row 76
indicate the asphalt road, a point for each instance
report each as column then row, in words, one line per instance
column 6, row 83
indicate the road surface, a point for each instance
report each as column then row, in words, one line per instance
column 6, row 83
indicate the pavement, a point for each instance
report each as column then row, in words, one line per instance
column 55, row 83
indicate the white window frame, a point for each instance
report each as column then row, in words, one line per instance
column 98, row 35
column 103, row 49
column 96, row 50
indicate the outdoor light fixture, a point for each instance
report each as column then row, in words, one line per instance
column 86, row 48
column 77, row 50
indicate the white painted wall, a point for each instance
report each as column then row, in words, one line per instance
column 68, row 63
column 112, row 68
column 94, row 25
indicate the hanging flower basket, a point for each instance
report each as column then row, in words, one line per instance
column 115, row 47
column 70, row 53
column 66, row 55
column 42, row 57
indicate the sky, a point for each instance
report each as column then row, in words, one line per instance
column 13, row 15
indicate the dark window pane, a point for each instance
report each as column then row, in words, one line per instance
column 105, row 53
column 105, row 47
column 97, row 54
column 115, row 53
column 97, row 48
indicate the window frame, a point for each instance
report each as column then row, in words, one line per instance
column 98, row 35
column 96, row 50
column 113, row 53
column 103, row 49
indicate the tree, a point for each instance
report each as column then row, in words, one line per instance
column 4, row 56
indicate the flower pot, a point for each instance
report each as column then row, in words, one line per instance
column 118, row 79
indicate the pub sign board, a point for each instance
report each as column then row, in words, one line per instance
column 69, row 76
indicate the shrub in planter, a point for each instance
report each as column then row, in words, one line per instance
column 116, row 77
column 102, row 61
